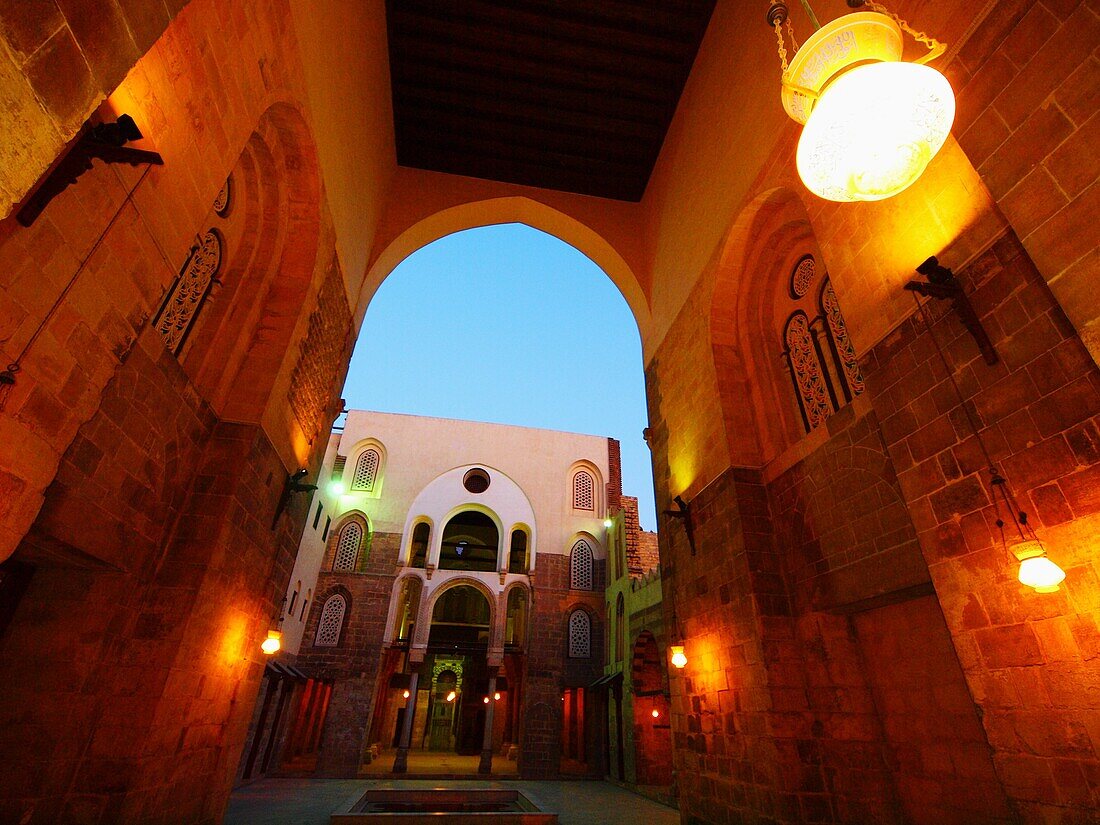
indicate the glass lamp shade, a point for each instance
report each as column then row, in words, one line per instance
column 1041, row 574
column 272, row 643
column 1036, row 570
column 679, row 660
column 874, row 130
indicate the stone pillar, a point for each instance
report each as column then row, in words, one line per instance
column 486, row 763
column 401, row 760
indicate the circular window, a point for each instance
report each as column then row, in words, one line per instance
column 476, row 481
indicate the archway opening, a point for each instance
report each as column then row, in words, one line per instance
column 652, row 730
column 471, row 541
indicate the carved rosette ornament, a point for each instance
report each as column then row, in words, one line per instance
column 224, row 198
column 802, row 276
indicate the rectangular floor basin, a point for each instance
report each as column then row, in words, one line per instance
column 442, row 806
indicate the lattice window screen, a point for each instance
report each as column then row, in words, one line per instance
column 580, row 566
column 580, row 635
column 347, row 546
column 806, row 371
column 584, row 487
column 331, row 621
column 366, row 471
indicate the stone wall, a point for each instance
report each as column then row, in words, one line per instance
column 353, row 665
column 812, row 603
column 549, row 669
column 133, row 658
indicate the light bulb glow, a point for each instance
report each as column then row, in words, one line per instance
column 1042, row 574
column 874, row 131
column 656, row 713
column 496, row 697
column 405, row 694
column 485, row 699
column 679, row 659
column 607, row 523
column 451, row 696
column 337, row 488
column 272, row 643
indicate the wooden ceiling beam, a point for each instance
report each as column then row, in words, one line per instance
column 578, row 155
column 584, row 182
column 583, row 101
column 439, row 34
column 480, row 112
column 561, row 26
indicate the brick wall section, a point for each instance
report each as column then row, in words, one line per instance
column 1029, row 659
column 354, row 663
column 841, row 514
column 614, row 475
column 1027, row 81
column 134, row 665
column 791, row 711
column 944, row 773
column 230, row 57
column 549, row 669
column 61, row 60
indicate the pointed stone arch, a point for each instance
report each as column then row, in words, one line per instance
column 408, row 238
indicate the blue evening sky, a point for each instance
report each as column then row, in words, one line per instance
column 510, row 325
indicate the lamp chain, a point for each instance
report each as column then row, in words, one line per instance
column 934, row 46
column 790, row 32
column 782, row 46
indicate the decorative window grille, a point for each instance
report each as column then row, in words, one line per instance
column 843, row 351
column 803, row 357
column 620, row 628
column 580, row 635
column 184, row 300
column 348, row 544
column 584, row 489
column 580, row 566
column 331, row 622
column 366, row 471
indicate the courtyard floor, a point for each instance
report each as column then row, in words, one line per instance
column 310, row 801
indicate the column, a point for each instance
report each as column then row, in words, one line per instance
column 401, row 760
column 486, row 763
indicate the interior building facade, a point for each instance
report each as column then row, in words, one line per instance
column 452, row 575
column 842, row 461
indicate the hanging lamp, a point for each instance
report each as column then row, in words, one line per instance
column 872, row 122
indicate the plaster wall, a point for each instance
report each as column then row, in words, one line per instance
column 420, row 448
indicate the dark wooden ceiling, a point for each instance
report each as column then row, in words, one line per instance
column 574, row 95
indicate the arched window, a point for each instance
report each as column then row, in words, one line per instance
column 419, row 555
column 580, row 566
column 294, row 598
column 620, row 627
column 580, row 635
column 584, row 491
column 517, row 552
column 331, row 622
column 365, row 477
column 819, row 355
column 348, row 544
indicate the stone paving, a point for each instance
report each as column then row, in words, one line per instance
column 310, row 801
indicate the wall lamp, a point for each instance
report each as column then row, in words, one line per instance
column 683, row 512
column 294, row 483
